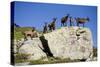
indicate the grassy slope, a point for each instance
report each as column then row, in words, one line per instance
column 18, row 32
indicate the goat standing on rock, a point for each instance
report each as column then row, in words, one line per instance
column 81, row 20
column 31, row 33
column 64, row 20
column 45, row 28
column 52, row 24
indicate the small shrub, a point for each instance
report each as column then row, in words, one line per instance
column 94, row 52
column 19, row 58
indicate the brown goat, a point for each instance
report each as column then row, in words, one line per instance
column 52, row 24
column 31, row 33
column 64, row 20
column 45, row 28
column 81, row 20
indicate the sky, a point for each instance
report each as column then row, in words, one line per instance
column 32, row 14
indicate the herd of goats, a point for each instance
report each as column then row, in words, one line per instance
column 52, row 25
column 64, row 21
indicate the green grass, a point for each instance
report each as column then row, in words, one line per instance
column 95, row 52
column 21, row 29
column 18, row 35
column 53, row 61
column 20, row 58
column 18, row 32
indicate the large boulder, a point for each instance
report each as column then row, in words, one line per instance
column 33, row 48
column 70, row 42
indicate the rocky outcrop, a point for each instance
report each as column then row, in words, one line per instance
column 72, row 42
column 67, row 42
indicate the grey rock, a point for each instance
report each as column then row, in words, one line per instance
column 32, row 47
column 64, row 43
column 67, row 42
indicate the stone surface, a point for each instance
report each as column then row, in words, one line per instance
column 67, row 42
column 72, row 42
column 33, row 48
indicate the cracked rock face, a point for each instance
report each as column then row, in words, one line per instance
column 67, row 42
column 32, row 47
column 73, row 43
